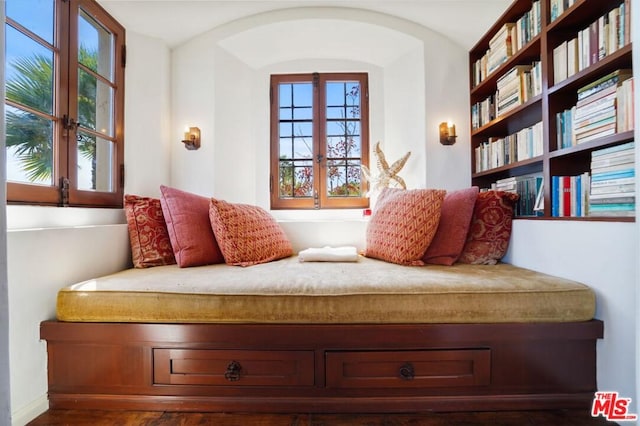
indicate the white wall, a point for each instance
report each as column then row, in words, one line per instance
column 221, row 83
column 147, row 116
column 50, row 247
column 605, row 257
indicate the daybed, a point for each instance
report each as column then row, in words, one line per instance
column 289, row 336
column 369, row 336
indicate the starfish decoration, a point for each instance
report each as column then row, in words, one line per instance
column 386, row 175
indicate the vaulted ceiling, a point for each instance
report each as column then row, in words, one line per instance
column 176, row 21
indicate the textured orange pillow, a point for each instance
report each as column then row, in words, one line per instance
column 403, row 224
column 187, row 218
column 247, row 235
column 490, row 230
column 150, row 244
column 455, row 220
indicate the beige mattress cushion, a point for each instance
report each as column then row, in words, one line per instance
column 288, row 291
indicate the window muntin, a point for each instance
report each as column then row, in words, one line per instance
column 319, row 140
column 78, row 153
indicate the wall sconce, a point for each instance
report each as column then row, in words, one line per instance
column 191, row 139
column 447, row 133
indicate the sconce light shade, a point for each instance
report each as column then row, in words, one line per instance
column 191, row 139
column 447, row 133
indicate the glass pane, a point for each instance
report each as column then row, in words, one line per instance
column 336, row 128
column 335, row 93
column 353, row 99
column 35, row 15
column 95, row 104
column 286, row 129
column 296, row 179
column 285, row 95
column 285, row 114
column 336, row 112
column 95, row 46
column 95, row 163
column 302, row 148
column 29, row 141
column 286, row 148
column 343, row 148
column 29, row 78
column 302, row 94
column 343, row 179
column 304, row 113
column 303, row 180
column 304, row 130
column 286, row 179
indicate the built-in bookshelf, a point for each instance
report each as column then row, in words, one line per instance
column 551, row 107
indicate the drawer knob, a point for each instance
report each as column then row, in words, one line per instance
column 407, row 372
column 233, row 371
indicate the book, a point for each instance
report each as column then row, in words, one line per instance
column 612, row 149
column 608, row 80
column 560, row 63
column 613, row 189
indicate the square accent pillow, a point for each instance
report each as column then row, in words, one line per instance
column 455, row 220
column 490, row 230
column 187, row 218
column 150, row 243
column 403, row 224
column 247, row 234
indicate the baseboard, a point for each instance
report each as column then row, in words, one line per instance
column 25, row 414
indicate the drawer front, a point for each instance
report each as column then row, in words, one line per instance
column 233, row 367
column 408, row 369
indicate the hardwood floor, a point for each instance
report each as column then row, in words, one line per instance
column 150, row 418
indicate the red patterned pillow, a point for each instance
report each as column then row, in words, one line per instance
column 150, row 244
column 187, row 218
column 490, row 230
column 247, row 235
column 455, row 220
column 403, row 225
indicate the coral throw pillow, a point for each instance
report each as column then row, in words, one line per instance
column 490, row 230
column 150, row 244
column 247, row 234
column 403, row 224
column 455, row 220
column 187, row 218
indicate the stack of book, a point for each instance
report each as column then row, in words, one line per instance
column 500, row 47
column 595, row 113
column 570, row 195
column 507, row 41
column 529, row 188
column 517, row 86
column 601, row 38
column 519, row 146
column 613, row 181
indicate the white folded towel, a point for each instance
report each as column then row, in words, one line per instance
column 329, row 254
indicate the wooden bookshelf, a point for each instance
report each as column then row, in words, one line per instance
column 556, row 96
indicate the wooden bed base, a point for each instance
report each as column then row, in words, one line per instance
column 321, row 368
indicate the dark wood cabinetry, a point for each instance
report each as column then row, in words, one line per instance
column 556, row 96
